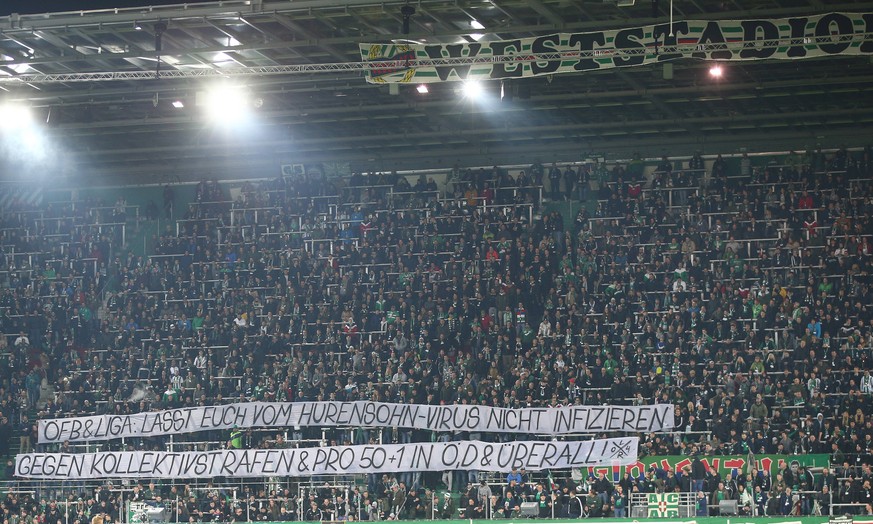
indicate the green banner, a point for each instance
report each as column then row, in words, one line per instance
column 696, row 520
column 779, row 38
column 722, row 463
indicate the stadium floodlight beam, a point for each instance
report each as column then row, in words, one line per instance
column 473, row 89
column 15, row 115
column 716, row 71
column 226, row 103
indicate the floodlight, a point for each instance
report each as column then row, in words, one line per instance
column 473, row 89
column 226, row 103
column 422, row 88
column 716, row 71
column 475, row 24
column 14, row 115
column 178, row 104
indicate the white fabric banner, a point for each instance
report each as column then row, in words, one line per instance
column 333, row 460
column 539, row 421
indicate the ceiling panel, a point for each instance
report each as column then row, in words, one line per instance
column 130, row 129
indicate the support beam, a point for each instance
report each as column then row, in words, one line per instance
column 297, row 28
column 392, row 64
column 550, row 15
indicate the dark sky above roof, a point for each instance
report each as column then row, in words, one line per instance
column 54, row 6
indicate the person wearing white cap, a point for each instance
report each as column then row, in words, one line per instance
column 867, row 383
column 447, row 508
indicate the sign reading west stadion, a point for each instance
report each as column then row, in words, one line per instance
column 780, row 38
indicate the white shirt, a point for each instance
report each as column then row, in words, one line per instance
column 867, row 384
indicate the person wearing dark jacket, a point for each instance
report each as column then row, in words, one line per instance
column 730, row 485
column 5, row 435
column 822, row 504
column 760, row 497
column 826, row 479
column 786, row 502
column 544, row 506
column 713, row 479
column 698, row 474
column 576, row 504
column 848, row 493
column 509, row 505
column 603, row 488
column 447, row 507
column 685, row 480
column 619, row 503
column 593, row 504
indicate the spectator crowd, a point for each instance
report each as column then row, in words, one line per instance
column 736, row 289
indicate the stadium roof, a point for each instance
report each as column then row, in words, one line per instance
column 327, row 112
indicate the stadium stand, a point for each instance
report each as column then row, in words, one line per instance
column 738, row 292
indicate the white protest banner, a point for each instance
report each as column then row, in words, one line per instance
column 333, row 460
column 539, row 421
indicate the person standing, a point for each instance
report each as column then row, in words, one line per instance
column 169, row 202
column 698, row 474
column 236, row 438
column 619, row 504
column 555, row 182
column 569, row 182
column 483, row 493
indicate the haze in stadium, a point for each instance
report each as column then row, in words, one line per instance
column 506, row 260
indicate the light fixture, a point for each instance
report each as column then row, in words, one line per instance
column 226, row 103
column 716, row 71
column 472, row 89
column 15, row 115
column 160, row 29
column 137, row 26
column 178, row 104
column 422, row 88
column 406, row 12
column 475, row 24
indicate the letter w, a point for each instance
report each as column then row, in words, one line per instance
column 455, row 51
